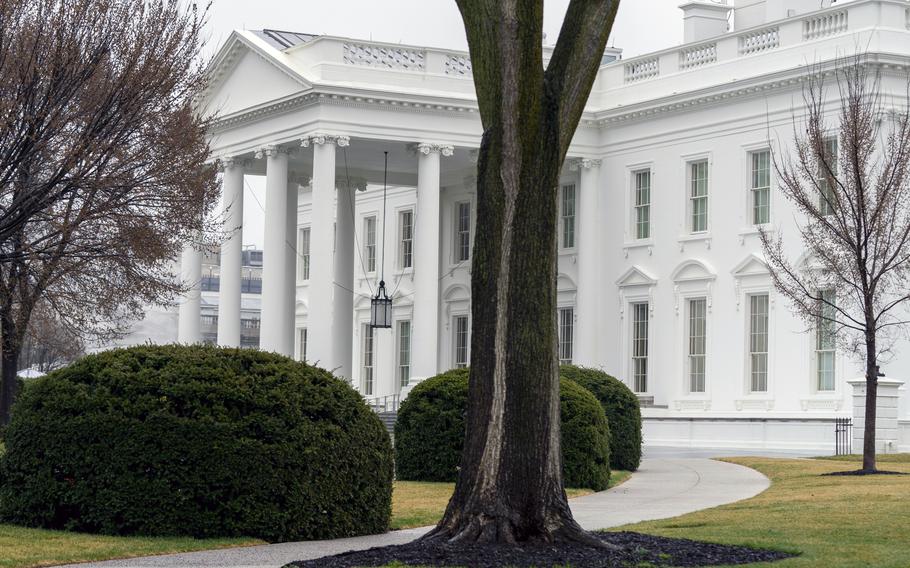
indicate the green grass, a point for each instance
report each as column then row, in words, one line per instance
column 22, row 547
column 883, row 458
column 419, row 504
column 832, row 522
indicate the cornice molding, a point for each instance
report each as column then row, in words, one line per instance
column 584, row 164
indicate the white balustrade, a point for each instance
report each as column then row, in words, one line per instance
column 759, row 41
column 697, row 55
column 642, row 69
column 827, row 24
column 384, row 56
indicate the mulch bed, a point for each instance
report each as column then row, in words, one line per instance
column 636, row 548
column 865, row 472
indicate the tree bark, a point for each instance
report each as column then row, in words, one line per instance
column 510, row 485
column 9, row 366
column 869, row 464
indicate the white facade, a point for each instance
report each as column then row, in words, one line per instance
column 681, row 308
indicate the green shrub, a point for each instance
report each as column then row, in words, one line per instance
column 622, row 409
column 429, row 433
column 198, row 441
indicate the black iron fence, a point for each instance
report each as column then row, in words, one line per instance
column 843, row 436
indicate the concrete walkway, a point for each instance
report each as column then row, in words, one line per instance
column 661, row 488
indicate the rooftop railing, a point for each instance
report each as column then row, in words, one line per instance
column 833, row 21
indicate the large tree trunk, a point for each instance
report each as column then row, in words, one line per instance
column 871, row 404
column 510, row 486
column 9, row 367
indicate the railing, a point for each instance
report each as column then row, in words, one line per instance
column 825, row 25
column 843, row 436
column 384, row 56
column 642, row 69
column 387, row 403
column 758, row 41
column 699, row 55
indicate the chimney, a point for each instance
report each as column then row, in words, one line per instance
column 703, row 20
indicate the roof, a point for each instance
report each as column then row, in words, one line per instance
column 283, row 40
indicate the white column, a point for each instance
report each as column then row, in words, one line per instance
column 322, row 235
column 188, row 313
column 425, row 325
column 290, row 282
column 274, row 261
column 231, row 255
column 587, row 308
column 343, row 309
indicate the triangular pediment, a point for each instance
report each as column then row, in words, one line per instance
column 693, row 270
column 246, row 75
column 636, row 276
column 754, row 264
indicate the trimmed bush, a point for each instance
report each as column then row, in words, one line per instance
column 622, row 409
column 429, row 432
column 198, row 441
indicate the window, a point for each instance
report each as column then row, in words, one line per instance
column 209, row 321
column 250, row 323
column 643, row 204
column 760, row 189
column 406, row 237
column 640, row 347
column 462, row 232
column 367, row 359
column 566, row 331
column 827, row 196
column 369, row 243
column 825, row 327
column 568, row 216
column 404, row 353
column 303, row 250
column 758, row 342
column 301, row 344
column 462, row 334
column 698, row 196
column 697, row 347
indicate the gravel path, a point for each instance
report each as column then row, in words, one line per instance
column 661, row 488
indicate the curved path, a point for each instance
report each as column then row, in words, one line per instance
column 661, row 488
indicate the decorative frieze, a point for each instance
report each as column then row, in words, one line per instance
column 584, row 164
column 384, row 56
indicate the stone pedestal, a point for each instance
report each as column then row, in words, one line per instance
column 886, row 427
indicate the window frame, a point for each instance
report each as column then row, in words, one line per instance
column 691, row 342
column 459, row 232
column 755, row 188
column 637, row 379
column 568, row 223
column 824, row 206
column 304, row 246
column 403, row 352
column 368, row 371
column 456, row 334
column 370, row 228
column 638, row 207
column 691, row 187
column 564, row 346
column 751, row 352
column 405, row 244
column 818, row 339
column 301, row 343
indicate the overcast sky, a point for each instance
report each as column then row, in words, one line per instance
column 641, row 26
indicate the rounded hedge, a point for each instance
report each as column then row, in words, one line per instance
column 622, row 409
column 429, row 432
column 198, row 441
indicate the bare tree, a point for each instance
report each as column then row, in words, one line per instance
column 48, row 344
column 103, row 169
column 846, row 176
column 510, row 486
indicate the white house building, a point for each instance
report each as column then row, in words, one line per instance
column 661, row 277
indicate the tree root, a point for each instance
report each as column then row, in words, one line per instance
column 486, row 530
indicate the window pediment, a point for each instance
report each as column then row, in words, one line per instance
column 636, row 276
column 693, row 270
column 753, row 265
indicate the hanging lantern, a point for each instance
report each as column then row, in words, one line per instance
column 381, row 308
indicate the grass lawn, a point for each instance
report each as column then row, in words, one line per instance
column 21, row 547
column 419, row 504
column 833, row 522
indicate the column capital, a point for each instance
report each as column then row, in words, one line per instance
column 337, row 139
column 584, row 164
column 227, row 162
column 426, row 148
column 270, row 151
